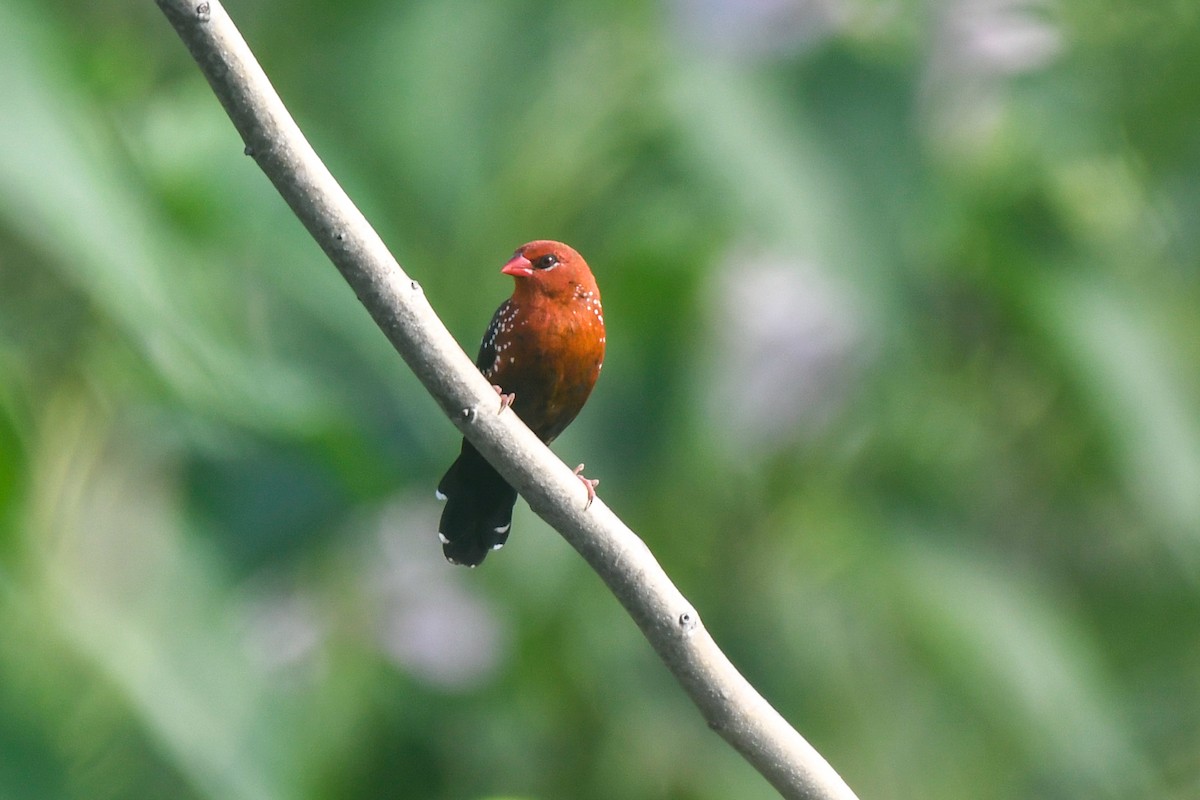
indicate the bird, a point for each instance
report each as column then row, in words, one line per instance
column 542, row 353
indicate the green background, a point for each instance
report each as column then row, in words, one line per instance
column 903, row 310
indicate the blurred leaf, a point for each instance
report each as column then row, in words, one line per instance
column 1028, row 666
column 1129, row 372
column 62, row 189
column 132, row 598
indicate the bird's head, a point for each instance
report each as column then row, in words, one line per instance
column 550, row 268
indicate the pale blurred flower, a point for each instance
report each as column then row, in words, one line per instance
column 999, row 37
column 427, row 621
column 783, row 355
column 977, row 45
column 281, row 629
column 421, row 616
column 757, row 27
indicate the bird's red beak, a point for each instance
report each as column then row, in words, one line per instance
column 518, row 266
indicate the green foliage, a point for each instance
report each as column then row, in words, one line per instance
column 902, row 389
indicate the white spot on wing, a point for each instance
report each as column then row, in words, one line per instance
column 443, row 538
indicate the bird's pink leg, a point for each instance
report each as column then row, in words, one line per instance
column 588, row 483
column 506, row 400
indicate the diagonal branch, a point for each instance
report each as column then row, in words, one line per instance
column 728, row 702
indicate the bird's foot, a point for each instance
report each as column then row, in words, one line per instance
column 506, row 400
column 588, row 483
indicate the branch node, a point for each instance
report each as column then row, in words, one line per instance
column 248, row 150
column 204, row 12
column 687, row 622
column 468, row 414
column 416, row 286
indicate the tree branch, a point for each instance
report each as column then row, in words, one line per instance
column 728, row 702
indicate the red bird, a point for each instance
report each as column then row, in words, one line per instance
column 544, row 347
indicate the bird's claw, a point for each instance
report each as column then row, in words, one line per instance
column 506, row 400
column 588, row 483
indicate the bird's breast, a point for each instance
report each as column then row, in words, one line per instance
column 550, row 358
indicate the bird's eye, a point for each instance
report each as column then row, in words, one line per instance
column 546, row 262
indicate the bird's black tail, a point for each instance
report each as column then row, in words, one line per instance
column 478, row 512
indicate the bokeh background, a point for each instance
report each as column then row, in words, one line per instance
column 902, row 389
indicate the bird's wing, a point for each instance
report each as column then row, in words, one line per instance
column 487, row 348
